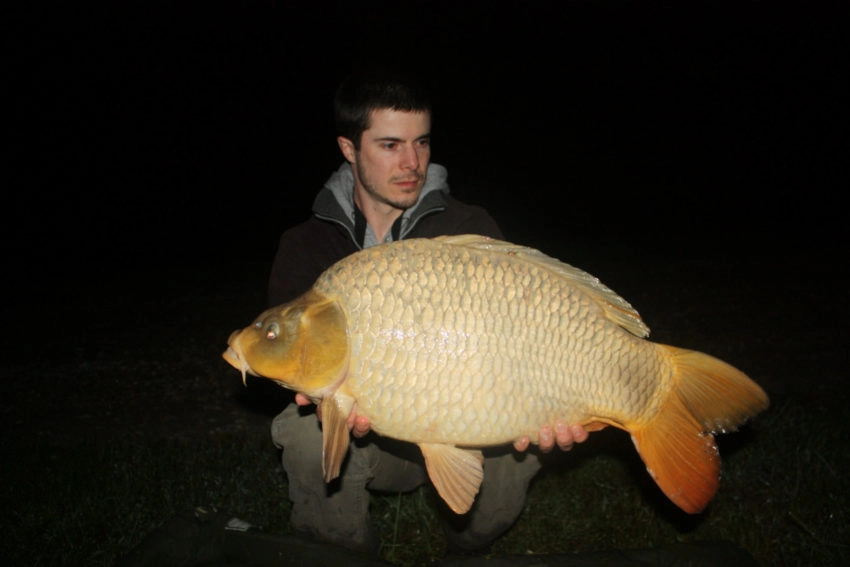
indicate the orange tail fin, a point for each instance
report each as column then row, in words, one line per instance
column 677, row 444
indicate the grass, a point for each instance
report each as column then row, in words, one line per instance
column 783, row 497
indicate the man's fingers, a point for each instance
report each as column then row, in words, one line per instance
column 580, row 434
column 522, row 443
column 302, row 400
column 360, row 426
column 563, row 436
column 545, row 439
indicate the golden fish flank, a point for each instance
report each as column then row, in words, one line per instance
column 462, row 342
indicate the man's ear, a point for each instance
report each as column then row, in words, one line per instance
column 346, row 146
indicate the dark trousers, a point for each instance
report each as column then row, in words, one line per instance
column 339, row 512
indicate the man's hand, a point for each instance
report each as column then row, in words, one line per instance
column 562, row 435
column 358, row 425
column 565, row 436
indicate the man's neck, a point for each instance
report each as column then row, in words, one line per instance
column 379, row 216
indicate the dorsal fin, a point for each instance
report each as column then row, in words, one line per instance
column 615, row 307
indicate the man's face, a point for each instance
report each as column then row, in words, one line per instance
column 393, row 158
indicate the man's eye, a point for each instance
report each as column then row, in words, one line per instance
column 390, row 146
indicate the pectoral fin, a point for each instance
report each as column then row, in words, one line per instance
column 335, row 436
column 456, row 473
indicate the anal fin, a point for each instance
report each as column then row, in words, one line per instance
column 456, row 473
column 592, row 426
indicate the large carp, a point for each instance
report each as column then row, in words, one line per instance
column 461, row 342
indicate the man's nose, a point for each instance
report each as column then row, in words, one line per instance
column 410, row 158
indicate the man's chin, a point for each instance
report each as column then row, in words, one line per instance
column 407, row 201
column 406, row 198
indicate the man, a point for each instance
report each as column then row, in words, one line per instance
column 386, row 190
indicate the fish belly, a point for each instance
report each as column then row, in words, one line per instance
column 461, row 346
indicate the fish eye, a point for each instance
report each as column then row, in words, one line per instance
column 272, row 331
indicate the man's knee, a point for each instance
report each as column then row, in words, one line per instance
column 336, row 512
column 395, row 466
column 498, row 504
column 296, row 426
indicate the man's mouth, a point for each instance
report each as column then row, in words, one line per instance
column 407, row 182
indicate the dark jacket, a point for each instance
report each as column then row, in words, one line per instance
column 308, row 249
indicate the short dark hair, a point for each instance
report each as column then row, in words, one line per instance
column 375, row 88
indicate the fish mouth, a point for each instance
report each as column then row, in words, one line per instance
column 233, row 355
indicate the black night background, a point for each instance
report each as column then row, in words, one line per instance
column 692, row 155
column 190, row 131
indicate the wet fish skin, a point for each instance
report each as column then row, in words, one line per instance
column 462, row 342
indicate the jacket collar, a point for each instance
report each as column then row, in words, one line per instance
column 335, row 203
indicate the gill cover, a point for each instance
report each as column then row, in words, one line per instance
column 303, row 344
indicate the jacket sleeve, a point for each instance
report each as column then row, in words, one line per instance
column 290, row 275
column 458, row 218
column 482, row 223
column 303, row 253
